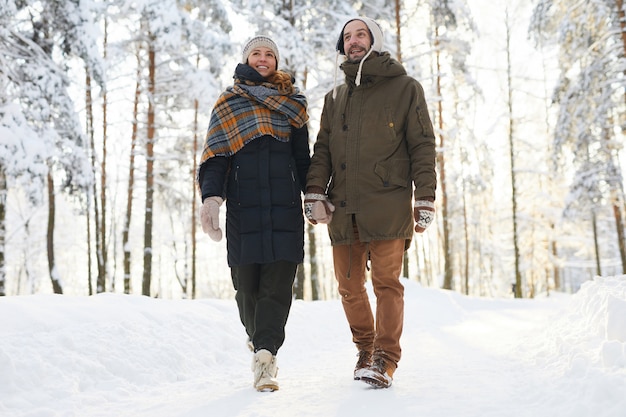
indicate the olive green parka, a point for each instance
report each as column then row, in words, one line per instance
column 375, row 151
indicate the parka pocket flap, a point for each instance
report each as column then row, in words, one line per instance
column 394, row 172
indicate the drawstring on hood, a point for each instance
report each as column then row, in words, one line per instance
column 376, row 34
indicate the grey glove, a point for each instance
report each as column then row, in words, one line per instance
column 210, row 217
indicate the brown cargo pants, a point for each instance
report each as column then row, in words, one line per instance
column 383, row 335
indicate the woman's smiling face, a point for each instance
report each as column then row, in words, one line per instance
column 263, row 60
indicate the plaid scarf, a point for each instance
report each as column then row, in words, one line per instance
column 245, row 112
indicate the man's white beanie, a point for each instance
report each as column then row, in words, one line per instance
column 377, row 46
column 257, row 42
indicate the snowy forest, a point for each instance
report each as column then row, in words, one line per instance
column 104, row 106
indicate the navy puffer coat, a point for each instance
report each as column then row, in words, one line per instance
column 262, row 184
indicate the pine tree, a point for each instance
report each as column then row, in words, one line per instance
column 33, row 37
column 591, row 42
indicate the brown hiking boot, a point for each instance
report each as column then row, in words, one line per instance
column 380, row 374
column 363, row 362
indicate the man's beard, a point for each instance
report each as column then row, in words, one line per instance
column 357, row 59
column 354, row 61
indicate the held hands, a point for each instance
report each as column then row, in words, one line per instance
column 424, row 213
column 317, row 207
column 210, row 217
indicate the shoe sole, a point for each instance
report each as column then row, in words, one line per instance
column 376, row 383
column 375, row 379
column 267, row 388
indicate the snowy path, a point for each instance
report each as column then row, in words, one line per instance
column 114, row 355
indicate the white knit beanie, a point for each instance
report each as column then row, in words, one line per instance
column 257, row 42
column 377, row 46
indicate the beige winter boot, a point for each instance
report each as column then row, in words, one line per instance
column 265, row 370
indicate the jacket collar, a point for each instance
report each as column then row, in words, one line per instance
column 375, row 69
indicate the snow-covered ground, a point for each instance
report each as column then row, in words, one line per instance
column 115, row 355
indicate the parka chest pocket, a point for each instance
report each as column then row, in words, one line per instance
column 389, row 124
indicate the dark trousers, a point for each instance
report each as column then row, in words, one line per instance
column 264, row 295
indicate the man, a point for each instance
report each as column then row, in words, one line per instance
column 375, row 151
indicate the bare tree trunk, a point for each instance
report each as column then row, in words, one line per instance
column 131, row 182
column 94, row 194
column 616, row 187
column 398, row 26
column 88, row 227
column 405, row 265
column 103, row 181
column 596, row 245
column 3, row 229
column 467, row 243
column 298, row 287
column 616, row 192
column 194, row 193
column 447, row 249
column 52, row 269
column 315, row 271
column 147, row 250
column 89, row 130
column 556, row 269
column 518, row 276
column 398, row 9
column 619, row 226
column 100, row 278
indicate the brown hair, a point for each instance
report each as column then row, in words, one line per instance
column 283, row 81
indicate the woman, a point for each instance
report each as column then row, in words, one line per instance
column 256, row 158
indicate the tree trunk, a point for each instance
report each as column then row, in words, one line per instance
column 92, row 149
column 147, row 250
column 315, row 273
column 518, row 276
column 89, row 131
column 405, row 264
column 557, row 270
column 194, row 192
column 52, row 269
column 596, row 244
column 447, row 250
column 298, row 287
column 398, row 26
column 619, row 225
column 467, row 243
column 616, row 192
column 616, row 206
column 131, row 182
column 3, row 229
column 103, row 181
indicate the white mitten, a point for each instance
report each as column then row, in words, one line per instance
column 318, row 208
column 210, row 217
